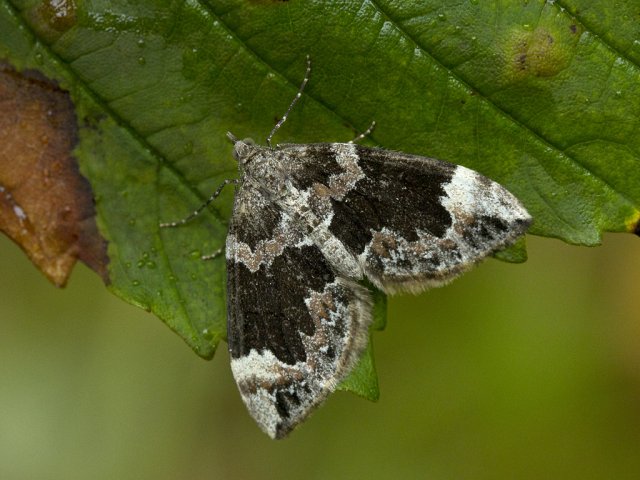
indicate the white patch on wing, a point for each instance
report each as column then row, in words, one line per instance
column 432, row 261
column 472, row 194
column 347, row 157
column 256, row 369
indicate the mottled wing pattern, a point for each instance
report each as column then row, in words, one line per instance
column 295, row 328
column 411, row 222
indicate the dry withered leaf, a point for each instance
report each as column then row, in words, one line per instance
column 46, row 205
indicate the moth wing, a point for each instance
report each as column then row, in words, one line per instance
column 295, row 328
column 412, row 222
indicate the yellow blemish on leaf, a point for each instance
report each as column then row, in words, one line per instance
column 541, row 52
column 633, row 223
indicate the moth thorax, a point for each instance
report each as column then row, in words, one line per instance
column 266, row 173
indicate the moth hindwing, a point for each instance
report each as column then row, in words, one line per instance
column 309, row 223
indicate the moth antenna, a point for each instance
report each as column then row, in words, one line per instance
column 365, row 133
column 293, row 102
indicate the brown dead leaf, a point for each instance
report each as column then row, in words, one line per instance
column 46, row 205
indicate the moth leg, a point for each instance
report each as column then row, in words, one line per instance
column 201, row 207
column 293, row 102
column 212, row 255
column 365, row 133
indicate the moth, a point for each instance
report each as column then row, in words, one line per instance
column 310, row 223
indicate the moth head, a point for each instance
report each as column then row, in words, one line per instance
column 243, row 150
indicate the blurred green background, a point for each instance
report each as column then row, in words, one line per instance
column 513, row 371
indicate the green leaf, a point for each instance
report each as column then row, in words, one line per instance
column 543, row 97
column 363, row 380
